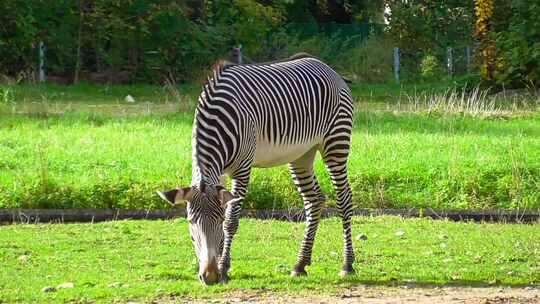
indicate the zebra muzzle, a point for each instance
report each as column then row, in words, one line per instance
column 210, row 274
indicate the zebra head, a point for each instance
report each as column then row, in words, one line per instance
column 205, row 214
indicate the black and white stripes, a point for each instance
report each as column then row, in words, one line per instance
column 266, row 115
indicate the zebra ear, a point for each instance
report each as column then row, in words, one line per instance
column 224, row 195
column 172, row 196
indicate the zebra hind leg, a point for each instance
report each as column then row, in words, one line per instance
column 335, row 153
column 306, row 182
column 338, row 173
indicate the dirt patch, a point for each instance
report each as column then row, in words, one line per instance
column 380, row 295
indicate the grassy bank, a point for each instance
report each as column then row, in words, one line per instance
column 68, row 152
column 130, row 260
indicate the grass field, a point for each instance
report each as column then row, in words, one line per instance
column 84, row 146
column 146, row 260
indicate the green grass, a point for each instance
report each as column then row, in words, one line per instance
column 86, row 93
column 154, row 259
column 103, row 94
column 69, row 154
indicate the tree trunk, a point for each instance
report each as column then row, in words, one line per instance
column 79, row 42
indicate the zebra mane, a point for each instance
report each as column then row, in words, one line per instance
column 215, row 74
column 222, row 65
column 209, row 89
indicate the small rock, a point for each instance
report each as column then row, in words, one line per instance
column 333, row 254
column 65, row 285
column 400, row 233
column 443, row 237
column 129, row 98
column 510, row 273
column 443, row 245
column 361, row 237
column 447, row 260
column 23, row 258
column 48, row 289
column 114, row 285
column 346, row 295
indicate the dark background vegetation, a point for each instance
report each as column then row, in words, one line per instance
column 178, row 40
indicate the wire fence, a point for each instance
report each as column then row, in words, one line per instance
column 362, row 51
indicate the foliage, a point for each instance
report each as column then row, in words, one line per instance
column 150, row 40
column 428, row 27
column 252, row 22
column 17, row 36
column 430, row 24
column 179, row 40
column 154, row 261
column 370, row 62
column 517, row 40
column 354, row 50
column 484, row 16
column 430, row 68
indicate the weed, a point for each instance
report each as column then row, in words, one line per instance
column 477, row 103
column 6, row 95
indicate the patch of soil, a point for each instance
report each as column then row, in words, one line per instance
column 384, row 295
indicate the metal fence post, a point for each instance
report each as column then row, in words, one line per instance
column 41, row 69
column 468, row 58
column 450, row 61
column 237, row 54
column 396, row 64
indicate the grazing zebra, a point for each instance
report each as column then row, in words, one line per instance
column 265, row 115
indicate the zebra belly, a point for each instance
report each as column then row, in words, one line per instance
column 271, row 155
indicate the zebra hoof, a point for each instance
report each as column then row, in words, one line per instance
column 224, row 278
column 298, row 273
column 347, row 272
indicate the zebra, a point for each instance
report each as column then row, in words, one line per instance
column 266, row 115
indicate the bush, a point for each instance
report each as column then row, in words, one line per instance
column 370, row 62
column 430, row 68
column 515, row 36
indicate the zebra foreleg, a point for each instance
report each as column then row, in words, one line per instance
column 230, row 225
column 309, row 188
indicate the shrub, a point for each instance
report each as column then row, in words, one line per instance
column 370, row 62
column 430, row 67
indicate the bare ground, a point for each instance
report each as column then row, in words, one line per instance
column 380, row 295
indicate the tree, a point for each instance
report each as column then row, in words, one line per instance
column 484, row 14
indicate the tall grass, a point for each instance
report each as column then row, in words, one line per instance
column 476, row 102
